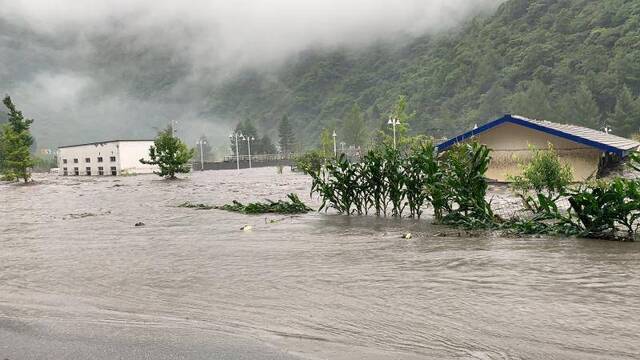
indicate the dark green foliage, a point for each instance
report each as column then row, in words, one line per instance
column 354, row 129
column 464, row 187
column 293, row 206
column 15, row 145
column 600, row 209
column 538, row 58
column 287, row 137
column 170, row 154
column 310, row 162
column 543, row 181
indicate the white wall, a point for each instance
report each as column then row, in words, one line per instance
column 127, row 155
column 130, row 154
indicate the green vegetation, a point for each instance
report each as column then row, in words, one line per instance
column 570, row 61
column 293, row 206
column 170, row 154
column 388, row 180
column 260, row 145
column 15, row 144
column 543, row 181
column 287, row 136
column 196, row 206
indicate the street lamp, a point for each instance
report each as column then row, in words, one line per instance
column 335, row 146
column 342, row 144
column 237, row 135
column 201, row 142
column 249, row 140
column 394, row 122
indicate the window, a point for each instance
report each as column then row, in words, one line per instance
column 76, row 172
column 88, row 171
column 113, row 159
column 65, row 172
column 99, row 158
column 64, row 161
column 114, row 172
column 87, row 160
column 75, row 161
column 100, row 170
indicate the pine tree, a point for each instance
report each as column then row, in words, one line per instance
column 354, row 129
column 533, row 102
column 15, row 145
column 170, row 154
column 287, row 137
column 625, row 119
column 580, row 108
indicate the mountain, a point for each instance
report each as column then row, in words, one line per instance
column 569, row 61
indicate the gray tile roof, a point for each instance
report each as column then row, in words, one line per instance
column 587, row 133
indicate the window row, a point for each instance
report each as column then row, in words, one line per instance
column 87, row 172
column 88, row 160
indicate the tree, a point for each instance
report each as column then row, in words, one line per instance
column 326, row 142
column 15, row 145
column 170, row 154
column 287, row 137
column 264, row 145
column 533, row 102
column 625, row 119
column 247, row 129
column 354, row 129
column 206, row 148
column 580, row 108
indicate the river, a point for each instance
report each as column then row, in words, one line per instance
column 76, row 274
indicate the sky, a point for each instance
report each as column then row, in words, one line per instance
column 90, row 70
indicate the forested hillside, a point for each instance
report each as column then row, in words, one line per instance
column 573, row 61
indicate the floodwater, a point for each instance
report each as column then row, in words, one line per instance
column 317, row 286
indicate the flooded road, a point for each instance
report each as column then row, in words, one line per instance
column 72, row 265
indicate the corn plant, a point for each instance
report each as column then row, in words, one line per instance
column 420, row 173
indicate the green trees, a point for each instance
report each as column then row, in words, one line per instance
column 354, row 130
column 170, row 154
column 15, row 144
column 625, row 119
column 287, row 137
column 567, row 61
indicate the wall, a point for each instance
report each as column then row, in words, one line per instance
column 510, row 148
column 130, row 154
column 127, row 155
column 105, row 150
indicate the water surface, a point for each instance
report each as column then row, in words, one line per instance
column 316, row 286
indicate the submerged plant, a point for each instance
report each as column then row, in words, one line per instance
column 293, row 206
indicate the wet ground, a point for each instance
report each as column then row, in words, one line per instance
column 78, row 280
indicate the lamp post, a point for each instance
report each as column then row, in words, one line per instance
column 201, row 142
column 249, row 140
column 335, row 146
column 237, row 135
column 394, row 122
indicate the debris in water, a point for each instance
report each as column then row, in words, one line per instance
column 246, row 228
column 139, row 224
column 407, row 236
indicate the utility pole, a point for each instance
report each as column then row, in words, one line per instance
column 249, row 139
column 201, row 142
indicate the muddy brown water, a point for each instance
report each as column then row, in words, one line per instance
column 317, row 285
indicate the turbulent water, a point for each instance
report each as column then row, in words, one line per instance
column 317, row 286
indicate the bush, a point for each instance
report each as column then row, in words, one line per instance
column 543, row 181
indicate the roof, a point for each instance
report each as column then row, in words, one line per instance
column 101, row 143
column 582, row 135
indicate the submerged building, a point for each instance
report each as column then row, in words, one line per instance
column 511, row 137
column 106, row 158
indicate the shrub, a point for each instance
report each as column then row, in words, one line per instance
column 543, row 181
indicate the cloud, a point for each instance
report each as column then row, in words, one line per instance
column 79, row 64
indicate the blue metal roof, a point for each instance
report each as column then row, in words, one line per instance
column 593, row 138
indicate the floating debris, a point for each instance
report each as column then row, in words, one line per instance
column 293, row 206
column 196, row 206
column 407, row 236
column 139, row 224
column 246, row 228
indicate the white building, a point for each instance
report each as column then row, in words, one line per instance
column 117, row 157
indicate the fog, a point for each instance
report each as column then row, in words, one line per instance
column 95, row 70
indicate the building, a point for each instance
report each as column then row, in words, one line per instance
column 117, row 157
column 586, row 150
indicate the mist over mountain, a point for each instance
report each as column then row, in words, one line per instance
column 88, row 71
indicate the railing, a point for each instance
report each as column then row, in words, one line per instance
column 259, row 158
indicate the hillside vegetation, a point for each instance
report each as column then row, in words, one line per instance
column 570, row 61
